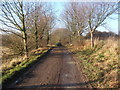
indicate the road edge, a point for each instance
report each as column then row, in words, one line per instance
column 80, row 68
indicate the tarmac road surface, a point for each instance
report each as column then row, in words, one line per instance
column 58, row 69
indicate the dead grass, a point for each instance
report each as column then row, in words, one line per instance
column 9, row 63
column 101, row 61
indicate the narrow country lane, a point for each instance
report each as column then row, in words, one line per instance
column 58, row 69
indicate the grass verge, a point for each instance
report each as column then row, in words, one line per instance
column 100, row 64
column 12, row 73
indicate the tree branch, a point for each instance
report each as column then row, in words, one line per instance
column 7, row 31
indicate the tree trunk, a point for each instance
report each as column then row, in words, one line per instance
column 36, row 29
column 92, row 40
column 36, row 39
column 48, row 37
column 48, row 40
column 25, row 44
column 36, row 35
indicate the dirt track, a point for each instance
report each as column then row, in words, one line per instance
column 57, row 69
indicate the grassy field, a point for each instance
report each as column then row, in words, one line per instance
column 100, row 64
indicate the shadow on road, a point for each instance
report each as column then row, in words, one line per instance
column 57, row 85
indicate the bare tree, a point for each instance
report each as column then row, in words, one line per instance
column 74, row 18
column 50, row 25
column 80, row 17
column 36, row 19
column 40, row 22
column 97, row 13
column 13, row 16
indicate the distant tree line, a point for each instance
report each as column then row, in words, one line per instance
column 60, row 35
column 102, row 35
